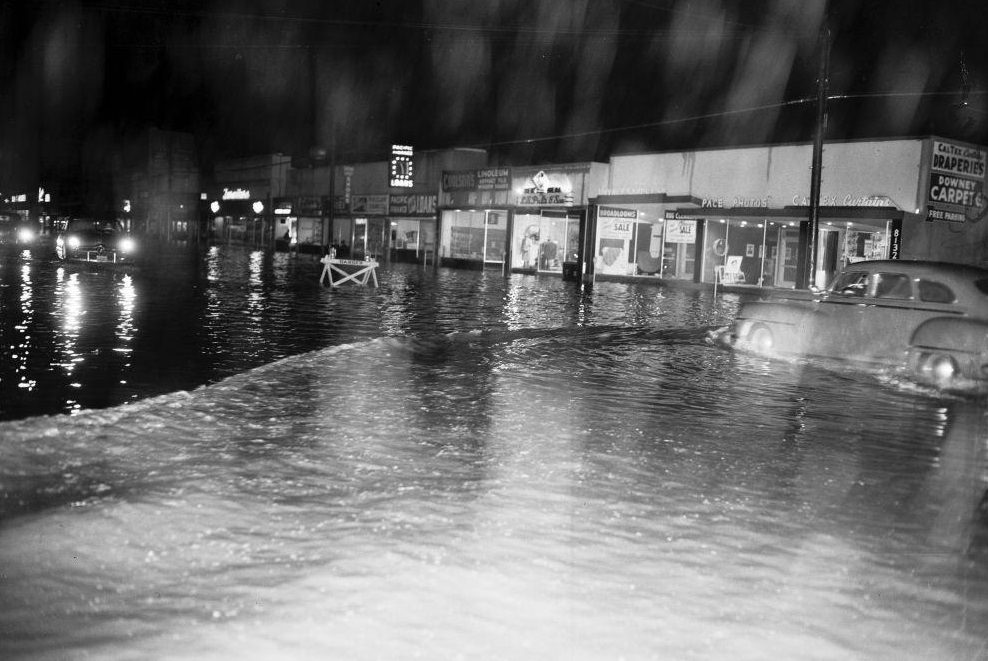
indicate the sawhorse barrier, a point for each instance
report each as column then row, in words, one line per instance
column 360, row 271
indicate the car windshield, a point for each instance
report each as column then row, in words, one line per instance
column 85, row 225
column 982, row 285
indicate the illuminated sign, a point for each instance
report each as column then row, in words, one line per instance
column 957, row 183
column 236, row 194
column 402, row 175
column 412, row 205
column 617, row 212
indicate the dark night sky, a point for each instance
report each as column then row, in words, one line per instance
column 533, row 80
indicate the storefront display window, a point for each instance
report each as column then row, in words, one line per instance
column 309, row 231
column 639, row 241
column 544, row 241
column 474, row 235
column 413, row 238
column 750, row 252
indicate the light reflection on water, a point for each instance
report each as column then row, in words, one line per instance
column 462, row 484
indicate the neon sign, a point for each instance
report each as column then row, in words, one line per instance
column 236, row 194
column 402, row 175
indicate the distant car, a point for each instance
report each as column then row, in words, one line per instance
column 17, row 232
column 930, row 318
column 89, row 240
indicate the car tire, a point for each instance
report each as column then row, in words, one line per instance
column 761, row 339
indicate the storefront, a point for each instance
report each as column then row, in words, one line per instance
column 771, row 248
column 365, row 230
column 237, row 218
column 413, row 226
column 745, row 220
column 550, row 211
column 474, row 218
column 635, row 236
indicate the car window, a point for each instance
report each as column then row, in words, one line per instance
column 81, row 225
column 893, row 285
column 935, row 292
column 851, row 283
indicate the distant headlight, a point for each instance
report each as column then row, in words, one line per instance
column 73, row 242
column 127, row 244
column 25, row 235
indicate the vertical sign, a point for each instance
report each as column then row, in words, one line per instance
column 895, row 239
column 402, row 175
column 957, row 183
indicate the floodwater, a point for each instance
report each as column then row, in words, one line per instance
column 462, row 466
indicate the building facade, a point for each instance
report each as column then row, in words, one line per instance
column 247, row 200
column 742, row 216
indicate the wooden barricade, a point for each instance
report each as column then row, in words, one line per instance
column 357, row 270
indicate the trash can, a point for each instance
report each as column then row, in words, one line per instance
column 571, row 271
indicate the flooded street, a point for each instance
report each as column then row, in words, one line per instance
column 222, row 459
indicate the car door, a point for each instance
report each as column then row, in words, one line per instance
column 839, row 316
column 894, row 309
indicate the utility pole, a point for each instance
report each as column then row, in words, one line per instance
column 822, row 81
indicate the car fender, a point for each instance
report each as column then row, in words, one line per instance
column 777, row 313
column 790, row 324
column 952, row 334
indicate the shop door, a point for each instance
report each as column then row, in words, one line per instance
column 495, row 236
column 785, row 274
column 552, row 241
column 359, row 248
column 375, row 238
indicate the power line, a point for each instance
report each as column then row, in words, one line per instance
column 723, row 113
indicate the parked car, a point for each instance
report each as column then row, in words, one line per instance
column 929, row 318
column 90, row 240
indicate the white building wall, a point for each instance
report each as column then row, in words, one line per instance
column 778, row 176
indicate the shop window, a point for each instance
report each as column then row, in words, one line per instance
column 893, row 285
column 542, row 242
column 463, row 234
column 309, row 230
column 935, row 292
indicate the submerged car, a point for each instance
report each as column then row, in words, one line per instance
column 95, row 241
column 929, row 318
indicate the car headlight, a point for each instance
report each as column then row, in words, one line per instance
column 73, row 242
column 25, row 235
column 127, row 244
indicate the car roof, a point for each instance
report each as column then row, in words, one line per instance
column 920, row 267
column 967, row 282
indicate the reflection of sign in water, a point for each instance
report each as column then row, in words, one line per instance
column 957, row 182
column 680, row 231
